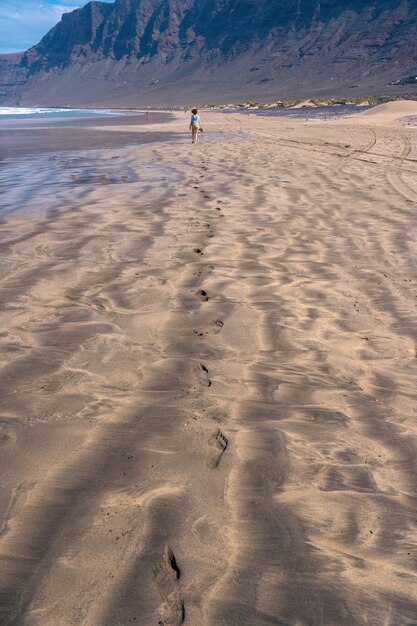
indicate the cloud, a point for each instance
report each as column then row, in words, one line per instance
column 59, row 9
column 23, row 23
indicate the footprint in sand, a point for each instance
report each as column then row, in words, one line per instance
column 218, row 444
column 165, row 576
column 202, row 295
column 202, row 374
column 166, row 573
column 171, row 611
column 197, row 251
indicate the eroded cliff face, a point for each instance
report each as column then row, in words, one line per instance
column 75, row 36
column 12, row 76
column 171, row 51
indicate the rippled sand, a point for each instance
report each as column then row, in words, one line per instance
column 208, row 374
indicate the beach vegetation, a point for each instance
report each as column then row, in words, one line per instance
column 407, row 80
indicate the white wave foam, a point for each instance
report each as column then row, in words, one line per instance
column 27, row 111
column 46, row 111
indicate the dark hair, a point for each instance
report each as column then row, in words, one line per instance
column 194, row 111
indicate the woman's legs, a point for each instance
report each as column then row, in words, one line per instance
column 195, row 135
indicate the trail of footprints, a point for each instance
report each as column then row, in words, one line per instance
column 166, row 573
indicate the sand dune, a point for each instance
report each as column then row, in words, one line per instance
column 391, row 111
column 208, row 382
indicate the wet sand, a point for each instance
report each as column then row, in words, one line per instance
column 208, row 408
column 22, row 138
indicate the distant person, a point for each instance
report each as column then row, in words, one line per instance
column 195, row 125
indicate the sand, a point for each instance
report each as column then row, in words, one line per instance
column 208, row 382
column 391, row 111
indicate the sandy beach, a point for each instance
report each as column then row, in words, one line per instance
column 208, row 378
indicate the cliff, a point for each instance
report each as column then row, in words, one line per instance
column 137, row 52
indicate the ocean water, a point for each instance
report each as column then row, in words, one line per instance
column 46, row 113
column 26, row 131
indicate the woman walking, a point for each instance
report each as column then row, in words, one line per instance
column 195, row 125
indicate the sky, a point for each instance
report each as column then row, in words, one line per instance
column 23, row 23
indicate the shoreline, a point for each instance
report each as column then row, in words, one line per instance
column 34, row 136
column 215, row 354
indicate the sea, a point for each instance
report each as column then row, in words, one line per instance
column 44, row 113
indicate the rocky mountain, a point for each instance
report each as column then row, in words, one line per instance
column 159, row 52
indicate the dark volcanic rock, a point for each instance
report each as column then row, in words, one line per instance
column 77, row 36
column 174, row 51
column 12, row 76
